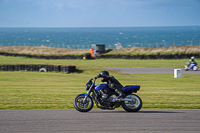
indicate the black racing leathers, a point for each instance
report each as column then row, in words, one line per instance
column 114, row 84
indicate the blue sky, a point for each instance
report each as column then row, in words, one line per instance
column 99, row 13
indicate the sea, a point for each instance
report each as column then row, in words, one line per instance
column 111, row 37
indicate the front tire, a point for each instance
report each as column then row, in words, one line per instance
column 134, row 106
column 83, row 107
column 186, row 68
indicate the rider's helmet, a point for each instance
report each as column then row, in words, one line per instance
column 192, row 58
column 103, row 74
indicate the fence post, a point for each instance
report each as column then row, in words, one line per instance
column 191, row 43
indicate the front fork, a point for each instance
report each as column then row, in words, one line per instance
column 88, row 93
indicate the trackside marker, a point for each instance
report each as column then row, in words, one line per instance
column 177, row 73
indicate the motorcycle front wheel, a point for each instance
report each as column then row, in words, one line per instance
column 186, row 68
column 81, row 106
column 132, row 106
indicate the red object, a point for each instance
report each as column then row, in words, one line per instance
column 92, row 52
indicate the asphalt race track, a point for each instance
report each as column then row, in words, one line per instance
column 150, row 70
column 97, row 120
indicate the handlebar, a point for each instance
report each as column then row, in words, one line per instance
column 95, row 78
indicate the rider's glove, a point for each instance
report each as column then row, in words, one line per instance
column 98, row 76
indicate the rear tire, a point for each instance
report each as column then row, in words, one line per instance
column 83, row 107
column 134, row 106
column 195, row 68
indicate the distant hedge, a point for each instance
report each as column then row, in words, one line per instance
column 155, row 56
column 42, row 56
column 108, row 56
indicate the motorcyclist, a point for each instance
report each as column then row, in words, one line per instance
column 112, row 82
column 191, row 61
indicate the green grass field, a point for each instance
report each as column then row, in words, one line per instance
column 34, row 90
column 99, row 63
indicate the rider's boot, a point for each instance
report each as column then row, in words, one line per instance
column 121, row 94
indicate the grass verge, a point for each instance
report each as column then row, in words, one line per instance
column 159, row 63
column 34, row 90
column 43, row 50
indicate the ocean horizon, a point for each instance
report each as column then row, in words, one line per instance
column 84, row 37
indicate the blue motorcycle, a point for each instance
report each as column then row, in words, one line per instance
column 192, row 66
column 105, row 98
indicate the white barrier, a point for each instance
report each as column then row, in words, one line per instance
column 177, row 73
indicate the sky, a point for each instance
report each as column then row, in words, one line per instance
column 99, row 13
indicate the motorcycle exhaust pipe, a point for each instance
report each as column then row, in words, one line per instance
column 125, row 99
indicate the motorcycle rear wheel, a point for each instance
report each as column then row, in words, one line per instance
column 195, row 68
column 83, row 107
column 134, row 106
